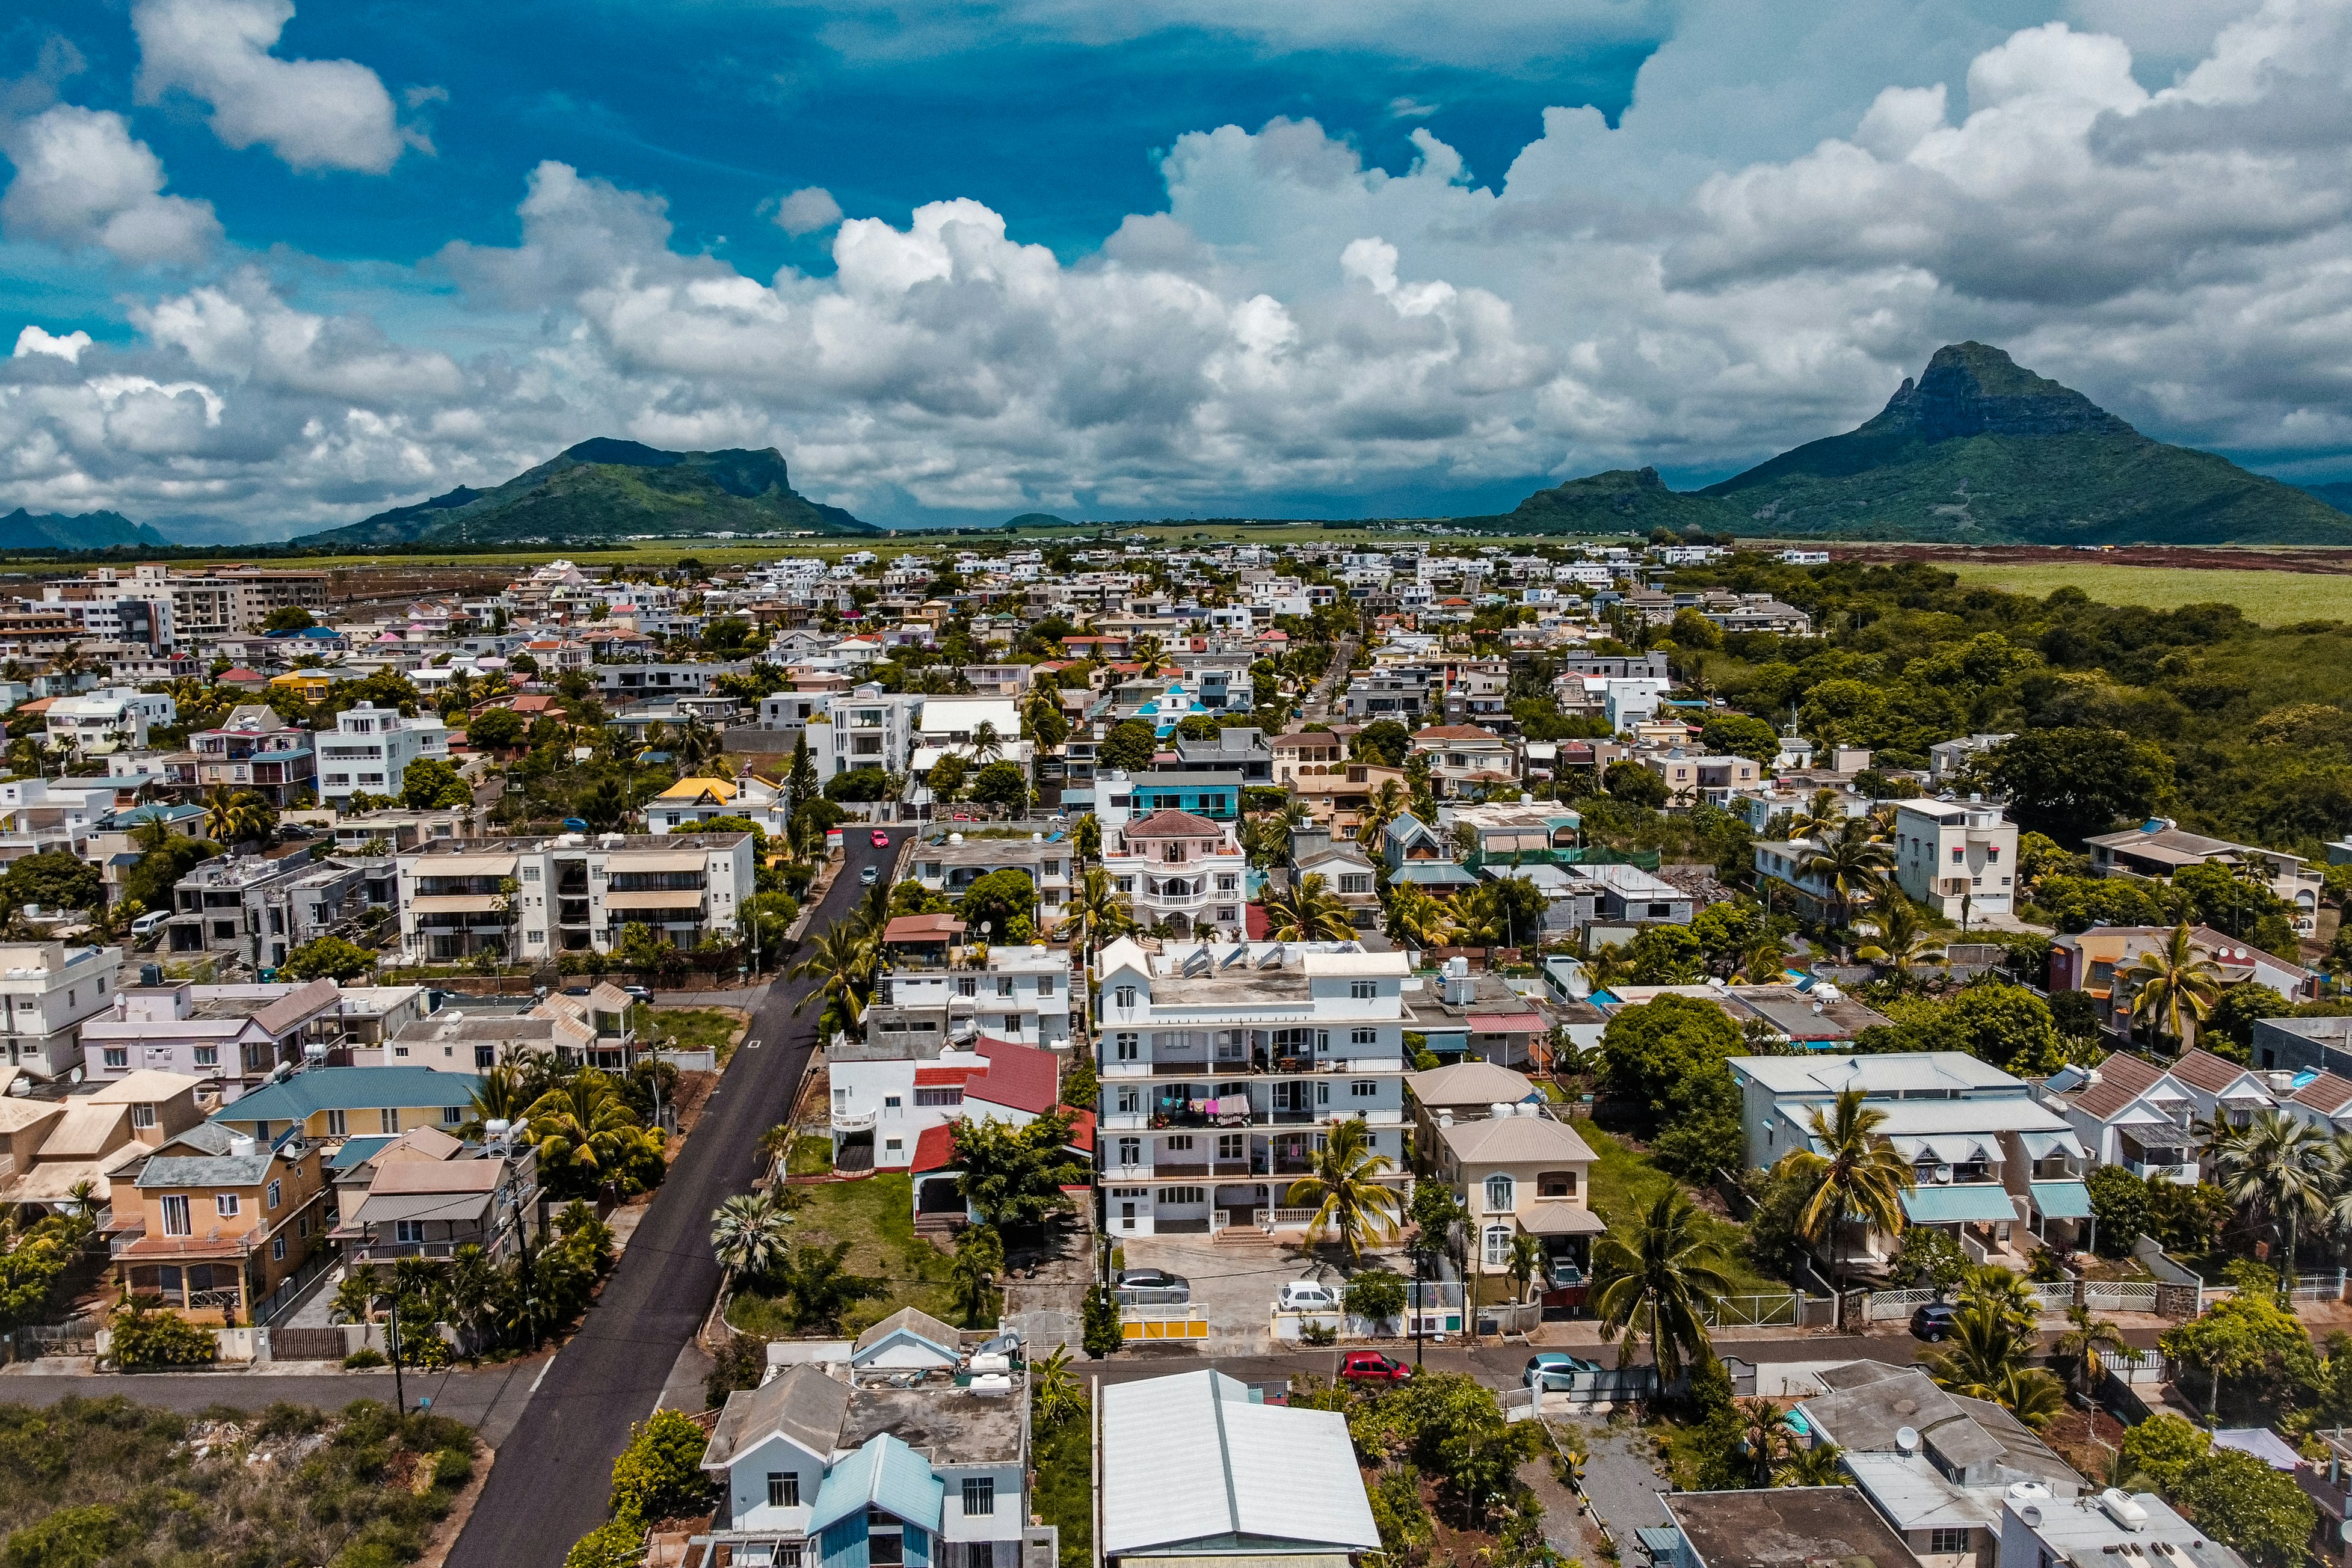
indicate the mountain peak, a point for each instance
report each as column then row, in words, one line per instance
column 1974, row 388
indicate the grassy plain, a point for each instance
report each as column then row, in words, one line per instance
column 2268, row 597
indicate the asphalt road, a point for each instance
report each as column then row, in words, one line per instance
column 554, row 1472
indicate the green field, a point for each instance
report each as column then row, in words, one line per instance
column 2268, row 597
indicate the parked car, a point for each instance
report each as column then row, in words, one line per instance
column 1934, row 1320
column 870, row 876
column 1154, row 1279
column 881, row 839
column 1153, row 1288
column 1558, row 1369
column 576, row 824
column 1372, row 1366
column 640, row 993
column 150, row 921
column 1308, row 1296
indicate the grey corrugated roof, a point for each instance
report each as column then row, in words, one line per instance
column 205, row 1170
column 800, row 1402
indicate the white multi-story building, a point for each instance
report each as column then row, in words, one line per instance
column 531, row 898
column 1223, row 1070
column 1178, row 871
column 1958, row 858
column 111, row 716
column 371, row 748
column 46, row 990
column 867, row 727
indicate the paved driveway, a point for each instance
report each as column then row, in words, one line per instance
column 1235, row 1282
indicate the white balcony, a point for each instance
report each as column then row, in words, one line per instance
column 855, row 1121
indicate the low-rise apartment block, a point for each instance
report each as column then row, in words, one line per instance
column 570, row 894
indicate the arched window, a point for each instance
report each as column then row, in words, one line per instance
column 1498, row 1246
column 1498, row 1194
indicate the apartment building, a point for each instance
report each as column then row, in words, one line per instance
column 259, row 908
column 229, row 602
column 1463, row 758
column 1958, row 858
column 570, row 894
column 1225, row 1068
column 867, row 727
column 255, row 749
column 231, row 1037
column 950, row 863
column 2158, row 847
column 47, row 991
column 107, row 718
column 371, row 748
column 934, row 988
column 1701, row 780
column 1182, row 873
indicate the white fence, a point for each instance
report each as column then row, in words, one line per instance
column 2118, row 1295
column 1888, row 1306
column 2099, row 1295
column 1782, row 1309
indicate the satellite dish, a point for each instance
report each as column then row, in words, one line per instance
column 1906, row 1440
column 2343, row 1531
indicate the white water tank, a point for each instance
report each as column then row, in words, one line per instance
column 1458, row 988
column 992, row 1383
column 239, row 1146
column 2118, row 1505
column 991, row 1361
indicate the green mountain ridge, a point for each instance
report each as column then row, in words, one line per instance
column 21, row 529
column 1978, row 450
column 604, row 489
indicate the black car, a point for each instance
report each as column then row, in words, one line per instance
column 1152, row 1279
column 1934, row 1320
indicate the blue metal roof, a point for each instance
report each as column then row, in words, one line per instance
column 356, row 1152
column 885, row 1474
column 1982, row 1202
column 2061, row 1200
column 350, row 1089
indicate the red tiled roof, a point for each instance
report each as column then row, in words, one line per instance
column 1019, row 1077
column 1504, row 1023
column 1455, row 732
column 935, row 1148
column 937, row 1077
column 2326, row 1094
column 2200, row 1069
column 2122, row 1079
column 1082, row 1128
column 1173, row 824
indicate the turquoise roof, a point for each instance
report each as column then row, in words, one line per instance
column 885, row 1474
column 2061, row 1200
column 1432, row 873
column 1983, row 1202
column 350, row 1089
column 356, row 1152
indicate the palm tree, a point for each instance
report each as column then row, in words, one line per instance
column 1765, row 963
column 1060, row 1398
column 2085, row 1341
column 1848, row 857
column 1766, row 1433
column 749, row 1233
column 820, row 1286
column 1417, row 919
column 987, row 743
column 1652, row 1278
column 1098, row 910
column 844, row 959
column 1527, row 1262
column 1817, row 816
column 972, row 1274
column 1387, row 804
column 356, row 1294
column 1305, row 911
column 583, row 1122
column 472, row 1287
column 2280, row 1168
column 1816, row 1466
column 1899, row 940
column 1610, row 965
column 698, row 742
column 776, row 1143
column 2175, row 986
column 502, row 1092
column 1854, row 1177
column 1986, row 1346
column 2003, row 1290
column 1342, row 1181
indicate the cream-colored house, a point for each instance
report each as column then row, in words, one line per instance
column 1518, row 1170
column 52, row 1146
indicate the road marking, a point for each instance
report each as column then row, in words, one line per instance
column 751, row 1045
column 542, row 1376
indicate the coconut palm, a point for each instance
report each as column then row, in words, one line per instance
column 1342, row 1182
column 844, row 959
column 698, row 742
column 2280, row 1168
column 1898, row 939
column 972, row 1274
column 1060, row 1400
column 1305, row 911
column 1768, row 1437
column 2087, row 1340
column 749, row 1233
column 1387, row 804
column 356, row 1294
column 1097, row 911
column 583, row 1122
column 1855, row 1176
column 1817, row 816
column 1817, row 1466
column 1986, row 1346
column 1849, row 858
column 1417, row 919
column 2174, row 986
column 502, row 1092
column 1652, row 1279
column 1609, row 965
column 1765, row 963
column 987, row 742
column 1085, row 837
column 2003, row 1290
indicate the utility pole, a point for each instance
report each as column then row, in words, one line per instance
column 399, row 1395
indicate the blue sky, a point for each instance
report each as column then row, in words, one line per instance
column 1182, row 258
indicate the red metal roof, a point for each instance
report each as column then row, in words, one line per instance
column 934, row 1077
column 1082, row 1128
column 1504, row 1023
column 1019, row 1077
column 935, row 1148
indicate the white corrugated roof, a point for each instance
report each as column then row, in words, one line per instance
column 1188, row 1458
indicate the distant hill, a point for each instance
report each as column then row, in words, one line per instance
column 606, row 489
column 1038, row 521
column 1978, row 450
column 2336, row 495
column 21, row 529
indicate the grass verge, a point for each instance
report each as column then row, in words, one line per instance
column 694, row 1029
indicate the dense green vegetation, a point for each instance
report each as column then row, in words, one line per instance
column 606, row 489
column 21, row 529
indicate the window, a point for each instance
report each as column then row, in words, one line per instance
column 1003, row 985
column 1556, row 1184
column 1362, row 990
column 980, row 1554
column 276, row 1193
column 1364, row 1037
column 1182, row 1194
column 175, row 1216
column 1127, row 1045
column 227, row 1204
column 338, row 1124
column 118, row 1056
column 1943, row 1542
column 1499, row 1194
column 1181, row 1144
column 452, row 1114
column 142, row 1115
column 938, row 1096
column 1232, row 1145
column 387, row 1121
column 206, row 1056
column 894, row 1145
column 783, row 1488
column 408, row 1231
column 1044, row 985
column 892, row 1102
column 278, row 1250
column 1130, row 1151
column 1124, row 997
column 979, row 1494
column 1498, row 1246
column 1958, row 855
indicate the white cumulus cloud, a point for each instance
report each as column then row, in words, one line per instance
column 82, row 182
column 314, row 114
column 807, row 210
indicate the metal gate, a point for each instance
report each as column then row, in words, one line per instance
column 1775, row 1310
column 76, row 1336
column 308, row 1344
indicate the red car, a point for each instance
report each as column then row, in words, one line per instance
column 881, row 839
column 1372, row 1366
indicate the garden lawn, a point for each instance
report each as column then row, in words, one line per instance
column 877, row 1217
column 695, row 1028
column 812, row 1156
column 1625, row 1183
column 1063, row 1495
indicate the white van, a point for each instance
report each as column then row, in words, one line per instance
column 150, row 923
column 1308, row 1296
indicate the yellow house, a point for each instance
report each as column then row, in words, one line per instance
column 219, row 1232
column 310, row 685
column 332, row 1104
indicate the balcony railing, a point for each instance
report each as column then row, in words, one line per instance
column 854, row 1122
